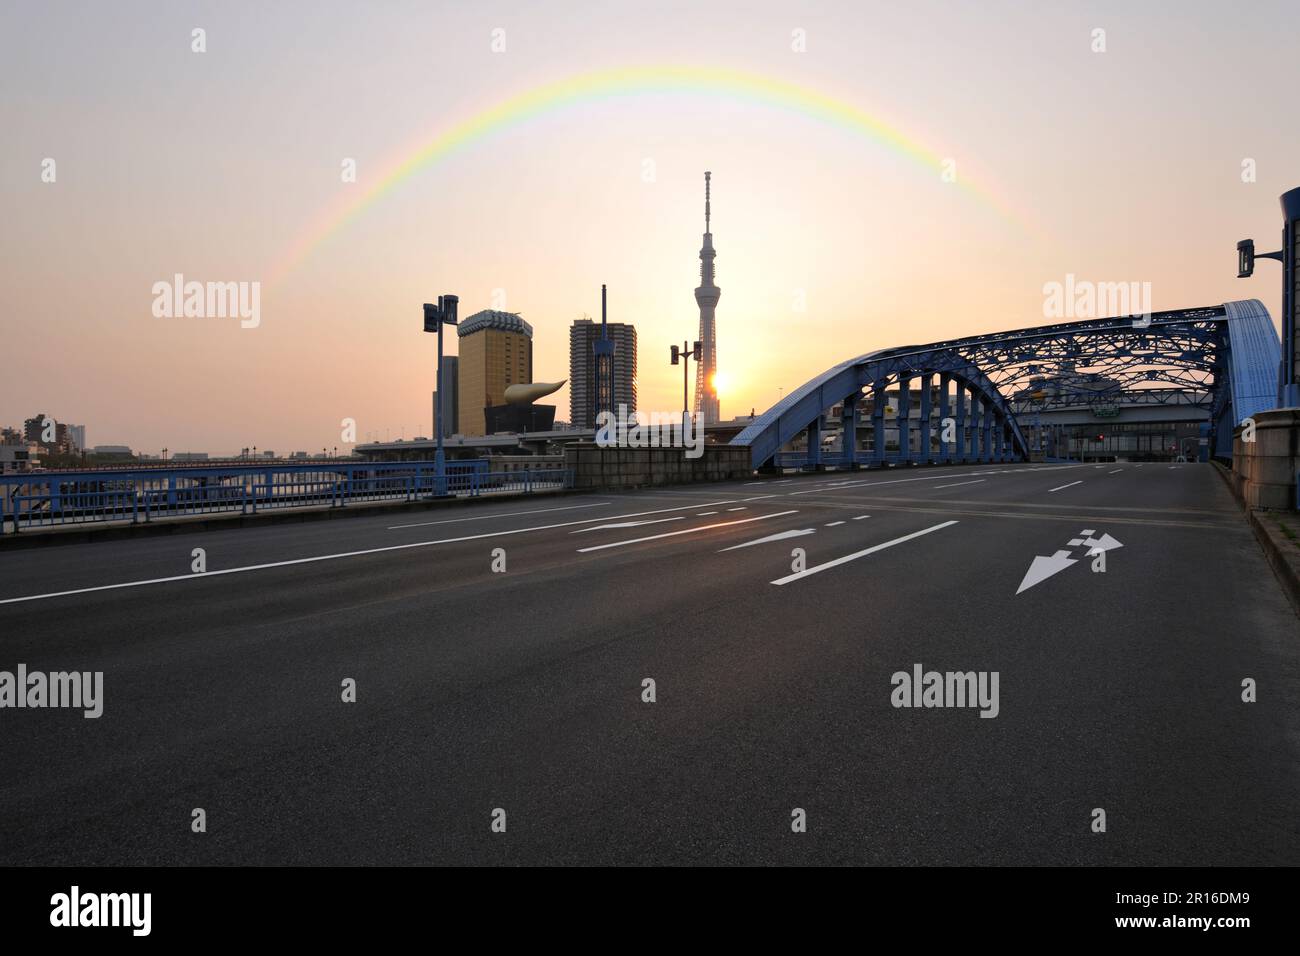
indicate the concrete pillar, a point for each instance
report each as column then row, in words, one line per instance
column 1268, row 466
column 815, row 443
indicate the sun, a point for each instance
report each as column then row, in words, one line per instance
column 721, row 382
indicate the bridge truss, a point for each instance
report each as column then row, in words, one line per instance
column 974, row 395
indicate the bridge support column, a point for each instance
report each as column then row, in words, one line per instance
column 849, row 432
column 945, row 383
column 904, row 424
column 976, row 428
column 815, row 444
column 924, row 457
column 986, row 431
column 878, row 423
column 960, row 397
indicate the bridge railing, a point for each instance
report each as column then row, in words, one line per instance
column 48, row 499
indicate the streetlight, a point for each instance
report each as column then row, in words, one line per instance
column 435, row 317
column 683, row 356
column 1288, row 389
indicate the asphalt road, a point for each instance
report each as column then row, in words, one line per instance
column 522, row 690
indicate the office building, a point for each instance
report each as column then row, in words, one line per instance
column 496, row 351
column 582, row 369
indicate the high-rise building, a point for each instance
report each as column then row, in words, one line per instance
column 582, row 369
column 78, row 435
column 706, row 297
column 451, row 399
column 496, row 350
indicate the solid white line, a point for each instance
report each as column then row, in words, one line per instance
column 326, row 557
column 959, row 484
column 673, row 534
column 1070, row 485
column 861, row 554
column 509, row 514
column 758, row 498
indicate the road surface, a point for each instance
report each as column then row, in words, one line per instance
column 522, row 689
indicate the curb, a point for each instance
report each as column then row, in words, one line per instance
column 1282, row 554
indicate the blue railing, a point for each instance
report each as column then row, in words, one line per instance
column 46, row 499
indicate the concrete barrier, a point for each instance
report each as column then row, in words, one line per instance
column 595, row 467
column 1264, row 470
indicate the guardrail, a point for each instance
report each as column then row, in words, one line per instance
column 68, row 498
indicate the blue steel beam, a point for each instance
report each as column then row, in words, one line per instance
column 1229, row 354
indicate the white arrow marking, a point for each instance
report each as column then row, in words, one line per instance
column 779, row 536
column 1098, row 545
column 626, row 524
column 1043, row 568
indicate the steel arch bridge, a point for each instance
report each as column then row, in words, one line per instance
column 1218, row 364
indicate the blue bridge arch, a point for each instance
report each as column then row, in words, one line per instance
column 1216, row 365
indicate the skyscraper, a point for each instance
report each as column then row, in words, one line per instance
column 496, row 350
column 707, row 296
column 582, row 369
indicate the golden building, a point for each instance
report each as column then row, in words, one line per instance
column 496, row 351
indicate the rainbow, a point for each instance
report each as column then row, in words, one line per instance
column 604, row 84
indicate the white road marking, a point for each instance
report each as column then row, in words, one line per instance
column 896, row 481
column 1063, row 487
column 959, row 484
column 637, row 514
column 860, row 517
column 758, row 498
column 327, row 557
column 737, row 509
column 834, row 523
column 779, row 536
column 861, row 554
column 1115, row 472
column 705, row 514
column 509, row 514
column 627, row 524
column 673, row 534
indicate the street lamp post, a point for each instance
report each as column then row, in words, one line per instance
column 683, row 356
column 435, row 317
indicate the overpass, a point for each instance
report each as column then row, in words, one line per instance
column 977, row 397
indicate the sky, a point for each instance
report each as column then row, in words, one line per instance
column 883, row 174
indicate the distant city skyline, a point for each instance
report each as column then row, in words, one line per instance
column 891, row 176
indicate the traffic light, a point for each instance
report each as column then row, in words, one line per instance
column 675, row 354
column 1245, row 258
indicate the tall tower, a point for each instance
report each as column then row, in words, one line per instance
column 706, row 297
